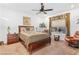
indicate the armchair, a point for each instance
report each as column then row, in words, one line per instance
column 73, row 40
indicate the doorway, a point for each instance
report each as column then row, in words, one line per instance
column 60, row 24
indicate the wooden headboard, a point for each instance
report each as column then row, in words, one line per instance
column 25, row 26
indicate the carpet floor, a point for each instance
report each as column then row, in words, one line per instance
column 56, row 48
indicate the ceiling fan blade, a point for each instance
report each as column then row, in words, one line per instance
column 38, row 12
column 44, row 12
column 48, row 10
column 35, row 10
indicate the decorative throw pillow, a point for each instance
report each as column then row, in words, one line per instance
column 77, row 33
column 27, row 29
column 23, row 30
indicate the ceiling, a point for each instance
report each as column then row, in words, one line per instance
column 27, row 7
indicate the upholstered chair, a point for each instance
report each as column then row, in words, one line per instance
column 74, row 40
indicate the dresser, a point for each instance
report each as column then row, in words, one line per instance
column 12, row 38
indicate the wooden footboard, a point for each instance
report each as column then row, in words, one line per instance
column 36, row 45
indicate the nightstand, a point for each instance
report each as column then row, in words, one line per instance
column 12, row 38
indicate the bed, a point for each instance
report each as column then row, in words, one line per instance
column 31, row 39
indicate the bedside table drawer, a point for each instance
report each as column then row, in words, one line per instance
column 12, row 38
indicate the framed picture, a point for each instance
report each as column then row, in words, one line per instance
column 26, row 20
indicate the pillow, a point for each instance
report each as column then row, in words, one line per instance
column 77, row 36
column 23, row 30
column 77, row 32
column 29, row 29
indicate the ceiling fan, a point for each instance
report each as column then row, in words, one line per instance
column 42, row 9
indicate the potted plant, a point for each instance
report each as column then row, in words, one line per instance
column 42, row 25
column 8, row 29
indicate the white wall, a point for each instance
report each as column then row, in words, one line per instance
column 74, row 17
column 3, row 30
